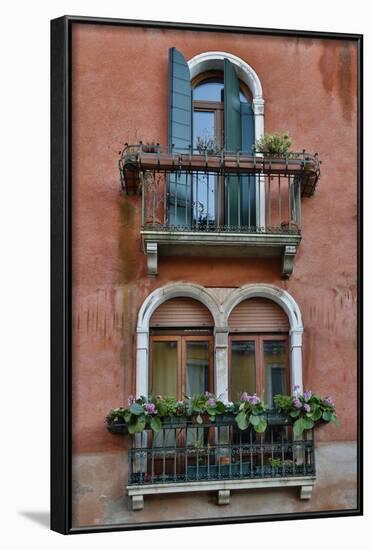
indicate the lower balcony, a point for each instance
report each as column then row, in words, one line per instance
column 184, row 457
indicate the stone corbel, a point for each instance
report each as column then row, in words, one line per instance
column 152, row 259
column 288, row 259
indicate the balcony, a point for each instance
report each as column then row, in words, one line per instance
column 187, row 457
column 219, row 205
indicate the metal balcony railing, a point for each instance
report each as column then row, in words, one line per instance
column 201, row 190
column 184, row 452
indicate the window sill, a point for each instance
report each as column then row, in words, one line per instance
column 137, row 492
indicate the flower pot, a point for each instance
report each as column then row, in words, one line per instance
column 223, row 419
column 117, row 428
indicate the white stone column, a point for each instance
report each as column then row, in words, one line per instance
column 142, row 363
column 296, row 359
column 221, row 343
column 258, row 106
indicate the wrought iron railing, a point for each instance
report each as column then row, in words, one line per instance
column 186, row 452
column 201, row 190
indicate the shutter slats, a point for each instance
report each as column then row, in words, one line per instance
column 258, row 315
column 181, row 312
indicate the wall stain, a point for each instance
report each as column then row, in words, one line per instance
column 335, row 66
column 344, row 77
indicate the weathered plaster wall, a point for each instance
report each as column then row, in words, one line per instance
column 120, row 94
column 97, row 499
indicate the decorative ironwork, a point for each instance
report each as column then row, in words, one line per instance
column 186, row 452
column 140, row 158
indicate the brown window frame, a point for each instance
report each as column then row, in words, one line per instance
column 259, row 358
column 181, row 358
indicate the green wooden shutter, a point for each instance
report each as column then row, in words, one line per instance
column 232, row 142
column 232, row 119
column 180, row 136
column 248, row 183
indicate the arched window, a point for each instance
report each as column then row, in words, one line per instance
column 211, row 112
column 181, row 349
column 259, row 349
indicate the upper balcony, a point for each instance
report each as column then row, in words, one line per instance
column 203, row 203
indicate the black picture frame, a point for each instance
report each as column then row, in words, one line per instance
column 61, row 270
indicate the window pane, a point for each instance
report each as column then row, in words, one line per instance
column 197, row 368
column 275, row 365
column 208, row 91
column 203, row 125
column 243, row 368
column 164, row 369
column 204, row 200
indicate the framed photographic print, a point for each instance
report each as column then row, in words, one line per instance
column 206, row 256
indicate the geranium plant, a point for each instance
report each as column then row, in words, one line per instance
column 251, row 412
column 307, row 409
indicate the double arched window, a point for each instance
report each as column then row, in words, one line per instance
column 182, row 349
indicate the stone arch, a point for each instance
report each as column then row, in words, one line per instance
column 207, row 61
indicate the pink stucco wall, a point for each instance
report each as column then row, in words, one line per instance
column 120, row 78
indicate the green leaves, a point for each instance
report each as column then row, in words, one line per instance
column 327, row 416
column 242, row 421
column 274, row 144
column 254, row 420
column 156, row 424
column 302, row 424
column 261, row 427
column 257, row 421
column 136, row 424
column 136, row 409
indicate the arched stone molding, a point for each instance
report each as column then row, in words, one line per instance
column 153, row 301
column 208, row 61
column 289, row 305
column 220, row 313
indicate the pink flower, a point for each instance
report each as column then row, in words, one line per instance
column 307, row 407
column 297, row 403
column 150, row 408
column 244, row 396
column 307, row 395
column 329, row 400
column 130, row 400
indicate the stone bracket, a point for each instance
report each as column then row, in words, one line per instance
column 305, row 492
column 288, row 258
column 137, row 502
column 152, row 259
column 224, row 497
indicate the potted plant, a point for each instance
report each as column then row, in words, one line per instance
column 204, row 407
column 139, row 414
column 273, row 145
column 306, row 409
column 251, row 413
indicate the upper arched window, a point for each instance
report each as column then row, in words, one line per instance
column 207, row 114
